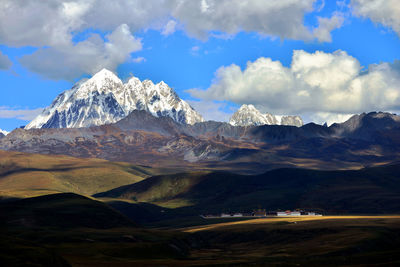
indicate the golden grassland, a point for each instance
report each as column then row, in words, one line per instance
column 27, row 175
column 308, row 241
column 284, row 219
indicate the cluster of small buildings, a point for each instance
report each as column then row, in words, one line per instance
column 296, row 213
column 264, row 213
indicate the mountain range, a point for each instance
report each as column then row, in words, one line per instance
column 146, row 123
column 105, row 99
column 141, row 138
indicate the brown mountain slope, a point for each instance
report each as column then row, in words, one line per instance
column 365, row 140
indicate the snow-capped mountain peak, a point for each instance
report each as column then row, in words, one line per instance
column 105, row 74
column 3, row 132
column 104, row 81
column 249, row 115
column 104, row 99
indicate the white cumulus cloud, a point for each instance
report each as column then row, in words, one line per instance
column 326, row 26
column 54, row 22
column 52, row 25
column 276, row 18
column 385, row 12
column 89, row 56
column 331, row 83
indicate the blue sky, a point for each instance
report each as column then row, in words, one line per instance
column 188, row 55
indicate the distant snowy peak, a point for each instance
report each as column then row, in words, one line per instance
column 248, row 115
column 292, row 121
column 3, row 132
column 105, row 99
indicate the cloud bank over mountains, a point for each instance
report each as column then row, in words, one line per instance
column 328, row 83
column 69, row 31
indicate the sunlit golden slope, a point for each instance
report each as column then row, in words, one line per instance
column 26, row 175
column 281, row 219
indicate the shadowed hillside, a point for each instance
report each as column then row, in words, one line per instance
column 370, row 190
column 72, row 230
column 61, row 210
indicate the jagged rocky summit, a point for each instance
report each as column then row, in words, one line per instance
column 105, row 99
column 248, row 115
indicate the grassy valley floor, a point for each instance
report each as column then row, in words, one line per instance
column 323, row 242
column 72, row 230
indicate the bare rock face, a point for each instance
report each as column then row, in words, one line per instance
column 104, row 99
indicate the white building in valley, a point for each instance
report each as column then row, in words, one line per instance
column 288, row 213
